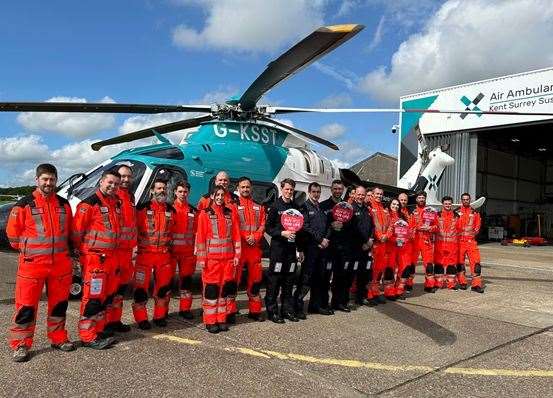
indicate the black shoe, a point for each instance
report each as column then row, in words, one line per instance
column 160, row 323
column 301, row 315
column 463, row 286
column 290, row 316
column 342, row 308
column 325, row 311
column 66, row 346
column 99, row 343
column 276, row 318
column 372, row 302
column 380, row 299
column 214, row 328
column 144, row 325
column 186, row 314
column 391, row 298
column 106, row 333
column 118, row 327
column 401, row 296
column 409, row 289
column 223, row 327
column 231, row 319
column 429, row 290
column 259, row 317
column 477, row 289
column 21, row 354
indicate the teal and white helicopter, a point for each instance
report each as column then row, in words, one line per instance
column 239, row 136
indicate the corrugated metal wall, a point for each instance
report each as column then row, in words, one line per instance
column 461, row 176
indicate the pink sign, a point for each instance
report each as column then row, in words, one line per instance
column 292, row 220
column 342, row 212
column 429, row 215
column 401, row 231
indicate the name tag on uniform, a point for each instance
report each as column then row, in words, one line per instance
column 241, row 207
column 190, row 214
column 292, row 267
column 60, row 210
column 278, row 267
column 355, row 265
column 96, row 286
column 329, row 265
column 37, row 210
column 256, row 207
column 311, row 213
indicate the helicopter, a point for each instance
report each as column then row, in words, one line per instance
column 238, row 136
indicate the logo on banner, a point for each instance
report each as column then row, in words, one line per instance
column 471, row 105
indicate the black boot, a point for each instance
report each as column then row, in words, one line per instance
column 290, row 316
column 259, row 317
column 231, row 319
column 213, row 328
column 275, row 318
column 186, row 314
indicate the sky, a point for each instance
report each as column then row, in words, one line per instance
column 194, row 51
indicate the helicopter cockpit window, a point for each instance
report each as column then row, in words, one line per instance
column 170, row 174
column 167, row 153
column 87, row 186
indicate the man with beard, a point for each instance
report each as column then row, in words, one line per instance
column 38, row 227
column 155, row 224
column 96, row 229
column 127, row 243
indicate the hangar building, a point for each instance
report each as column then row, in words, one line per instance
column 507, row 159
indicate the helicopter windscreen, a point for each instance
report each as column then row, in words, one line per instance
column 86, row 186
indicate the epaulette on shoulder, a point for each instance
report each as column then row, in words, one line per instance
column 62, row 201
column 144, row 205
column 93, row 200
column 28, row 200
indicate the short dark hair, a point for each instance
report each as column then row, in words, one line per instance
column 46, row 168
column 421, row 193
column 111, row 172
column 182, row 183
column 216, row 188
column 119, row 166
column 313, row 185
column 244, row 178
column 377, row 187
column 447, row 198
column 337, row 182
column 162, row 180
column 466, row 194
column 288, row 181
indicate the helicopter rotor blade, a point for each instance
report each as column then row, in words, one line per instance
column 280, row 110
column 149, row 132
column 307, row 51
column 302, row 133
column 91, row 107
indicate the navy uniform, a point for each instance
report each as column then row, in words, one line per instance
column 282, row 265
column 363, row 225
column 315, row 229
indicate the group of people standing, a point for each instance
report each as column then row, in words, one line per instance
column 371, row 252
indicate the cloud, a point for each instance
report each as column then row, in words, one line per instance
column 76, row 125
column 14, row 150
column 347, row 7
column 250, row 25
column 342, row 76
column 466, row 41
column 336, row 101
column 332, row 131
column 377, row 37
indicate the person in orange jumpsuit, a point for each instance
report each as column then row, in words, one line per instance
column 38, row 227
column 468, row 226
column 399, row 249
column 425, row 226
column 382, row 269
column 186, row 225
column 125, row 248
column 218, row 253
column 404, row 201
column 446, row 247
column 155, row 222
column 96, row 229
column 251, row 216
column 221, row 179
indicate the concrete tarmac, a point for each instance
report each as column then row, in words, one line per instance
column 451, row 343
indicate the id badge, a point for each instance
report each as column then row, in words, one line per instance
column 329, row 265
column 278, row 267
column 96, row 286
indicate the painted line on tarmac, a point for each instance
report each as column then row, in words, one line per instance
column 353, row 363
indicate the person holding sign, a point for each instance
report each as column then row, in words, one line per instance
column 424, row 219
column 284, row 220
column 314, row 240
column 399, row 247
